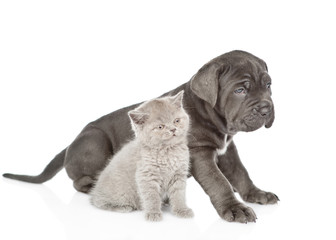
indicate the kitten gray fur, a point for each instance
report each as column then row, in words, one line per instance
column 153, row 167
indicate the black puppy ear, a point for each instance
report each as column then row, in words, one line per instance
column 138, row 118
column 205, row 83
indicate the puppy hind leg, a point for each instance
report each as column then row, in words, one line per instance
column 83, row 184
column 86, row 157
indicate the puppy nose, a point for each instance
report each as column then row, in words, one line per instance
column 264, row 108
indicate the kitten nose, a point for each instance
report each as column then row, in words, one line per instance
column 173, row 130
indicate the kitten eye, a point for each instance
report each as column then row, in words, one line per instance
column 161, row 127
column 177, row 120
column 240, row 91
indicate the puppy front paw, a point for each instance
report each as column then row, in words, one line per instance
column 255, row 195
column 237, row 212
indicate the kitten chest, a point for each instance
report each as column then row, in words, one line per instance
column 162, row 165
column 171, row 160
column 172, row 164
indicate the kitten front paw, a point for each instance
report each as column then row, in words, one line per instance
column 154, row 216
column 183, row 212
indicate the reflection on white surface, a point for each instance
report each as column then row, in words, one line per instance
column 38, row 212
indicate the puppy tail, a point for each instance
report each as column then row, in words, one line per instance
column 49, row 172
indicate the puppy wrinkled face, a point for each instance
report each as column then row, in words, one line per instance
column 245, row 98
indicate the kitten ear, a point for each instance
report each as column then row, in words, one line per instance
column 177, row 100
column 137, row 117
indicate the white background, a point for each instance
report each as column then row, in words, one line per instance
column 66, row 63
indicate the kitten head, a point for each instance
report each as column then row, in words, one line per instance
column 161, row 121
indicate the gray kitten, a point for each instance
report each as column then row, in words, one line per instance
column 152, row 168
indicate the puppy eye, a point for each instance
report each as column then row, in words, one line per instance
column 240, row 91
column 161, row 127
column 268, row 85
column 177, row 120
